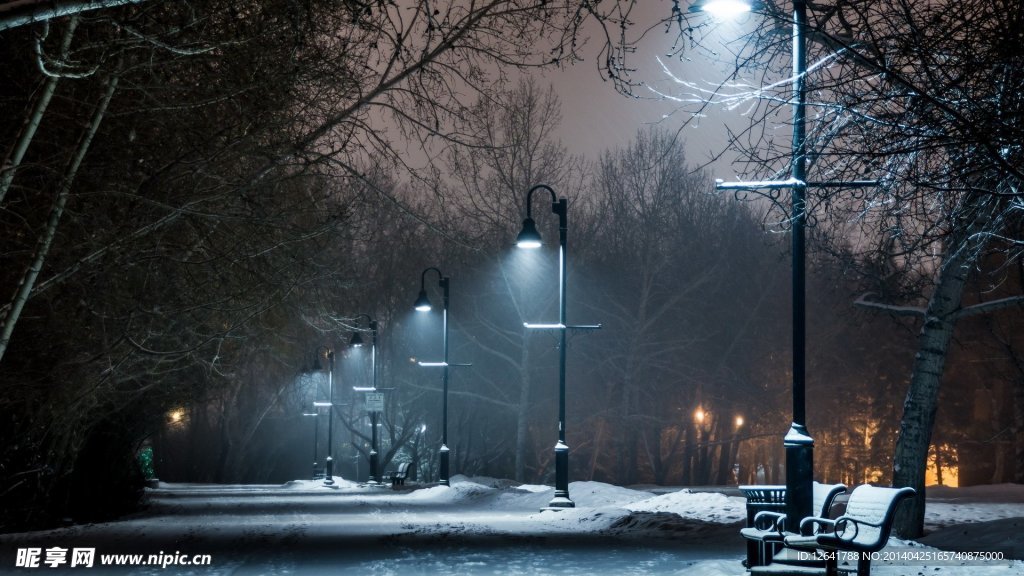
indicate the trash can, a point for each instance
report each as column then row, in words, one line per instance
column 771, row 498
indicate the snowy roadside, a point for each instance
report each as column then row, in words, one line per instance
column 486, row 526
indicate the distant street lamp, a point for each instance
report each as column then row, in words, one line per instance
column 530, row 238
column 316, row 440
column 357, row 342
column 700, row 416
column 798, row 442
column 422, row 304
column 329, row 353
column 329, row 472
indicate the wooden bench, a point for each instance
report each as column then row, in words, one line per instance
column 767, row 529
column 398, row 475
column 864, row 528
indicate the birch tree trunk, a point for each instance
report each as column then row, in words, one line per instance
column 8, row 321
column 911, row 455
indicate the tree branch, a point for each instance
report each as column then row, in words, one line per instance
column 21, row 12
column 987, row 307
column 893, row 309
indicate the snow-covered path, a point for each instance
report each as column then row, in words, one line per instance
column 477, row 526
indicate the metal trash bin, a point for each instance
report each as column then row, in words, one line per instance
column 771, row 498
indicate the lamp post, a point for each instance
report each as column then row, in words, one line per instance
column 798, row 442
column 422, row 304
column 530, row 238
column 329, row 471
column 357, row 342
column 316, row 439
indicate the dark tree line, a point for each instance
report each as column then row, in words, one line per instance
column 174, row 174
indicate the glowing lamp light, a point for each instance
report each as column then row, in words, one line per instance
column 356, row 341
column 739, row 421
column 422, row 302
column 529, row 237
column 699, row 415
column 723, row 9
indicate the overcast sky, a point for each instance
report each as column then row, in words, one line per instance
column 596, row 117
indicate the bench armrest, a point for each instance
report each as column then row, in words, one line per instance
column 766, row 520
column 845, row 523
column 808, row 523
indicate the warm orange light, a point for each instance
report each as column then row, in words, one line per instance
column 699, row 415
column 739, row 421
column 176, row 416
column 949, row 472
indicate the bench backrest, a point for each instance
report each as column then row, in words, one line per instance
column 824, row 496
column 874, row 505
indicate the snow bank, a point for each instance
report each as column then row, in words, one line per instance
column 339, row 483
column 460, row 490
column 712, row 507
column 599, row 494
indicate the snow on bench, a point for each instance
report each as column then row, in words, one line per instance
column 768, row 529
column 864, row 528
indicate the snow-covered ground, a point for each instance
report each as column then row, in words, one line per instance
column 476, row 526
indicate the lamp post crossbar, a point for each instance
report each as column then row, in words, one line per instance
column 561, row 326
column 790, row 183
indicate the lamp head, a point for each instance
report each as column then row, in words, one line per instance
column 356, row 341
column 529, row 237
column 723, row 9
column 422, row 302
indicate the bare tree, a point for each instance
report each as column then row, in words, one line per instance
column 515, row 148
column 227, row 159
column 666, row 263
column 925, row 98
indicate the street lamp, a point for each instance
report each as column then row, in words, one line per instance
column 316, row 439
column 329, row 472
column 422, row 304
column 797, row 441
column 723, row 9
column 357, row 342
column 530, row 238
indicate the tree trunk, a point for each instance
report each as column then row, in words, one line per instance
column 28, row 132
column 688, row 453
column 1018, row 428
column 911, row 457
column 627, row 449
column 28, row 280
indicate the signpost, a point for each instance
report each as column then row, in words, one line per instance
column 374, row 401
